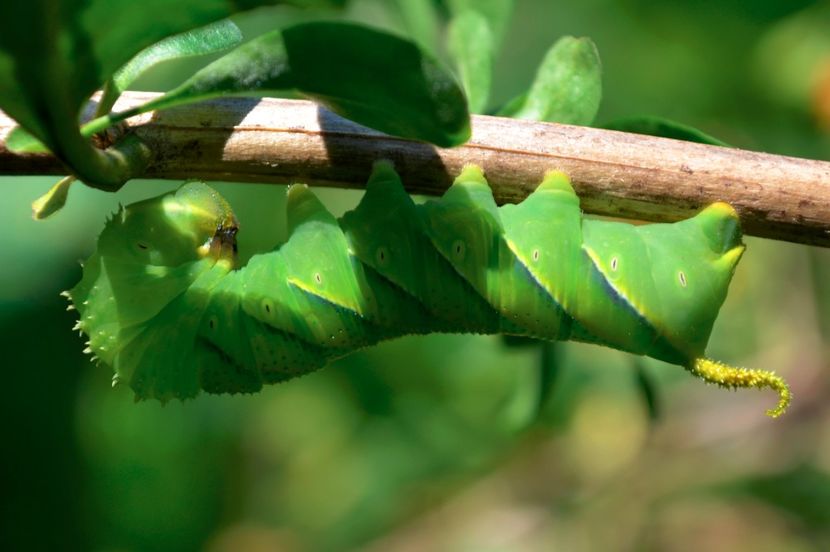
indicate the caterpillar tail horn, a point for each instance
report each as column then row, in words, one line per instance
column 732, row 377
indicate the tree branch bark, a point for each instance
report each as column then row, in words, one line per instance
column 614, row 173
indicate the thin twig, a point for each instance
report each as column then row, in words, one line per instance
column 615, row 173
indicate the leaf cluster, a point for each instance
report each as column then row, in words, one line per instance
column 54, row 56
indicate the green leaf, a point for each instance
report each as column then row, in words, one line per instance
column 471, row 44
column 204, row 40
column 511, row 107
column 568, row 85
column 55, row 53
column 421, row 21
column 496, row 12
column 21, row 141
column 656, row 126
column 550, row 366
column 801, row 490
column 371, row 77
column 538, row 393
column 647, row 389
column 52, row 201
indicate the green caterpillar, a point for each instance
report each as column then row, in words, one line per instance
column 165, row 307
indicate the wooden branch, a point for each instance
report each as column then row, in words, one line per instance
column 615, row 173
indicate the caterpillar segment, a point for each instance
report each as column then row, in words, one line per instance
column 165, row 306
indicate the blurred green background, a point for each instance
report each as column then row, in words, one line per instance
column 434, row 443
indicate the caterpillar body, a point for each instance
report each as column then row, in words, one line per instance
column 165, row 307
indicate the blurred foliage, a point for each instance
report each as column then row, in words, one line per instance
column 802, row 491
column 567, row 88
column 437, row 442
column 53, row 55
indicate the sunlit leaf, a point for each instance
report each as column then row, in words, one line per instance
column 19, row 140
column 567, row 88
column 204, row 40
column 347, row 68
column 471, row 44
column 52, row 201
column 496, row 12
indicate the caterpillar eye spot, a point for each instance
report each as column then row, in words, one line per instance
column 212, row 323
column 382, row 255
column 682, row 277
column 458, row 250
column 614, row 264
column 266, row 307
column 142, row 245
column 318, row 278
column 535, row 254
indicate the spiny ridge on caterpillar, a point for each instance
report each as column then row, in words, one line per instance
column 165, row 307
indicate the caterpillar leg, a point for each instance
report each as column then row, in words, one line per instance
column 732, row 377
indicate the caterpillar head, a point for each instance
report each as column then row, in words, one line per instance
column 148, row 254
column 190, row 224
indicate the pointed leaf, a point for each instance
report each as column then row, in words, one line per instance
column 204, row 40
column 197, row 42
column 52, row 201
column 471, row 44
